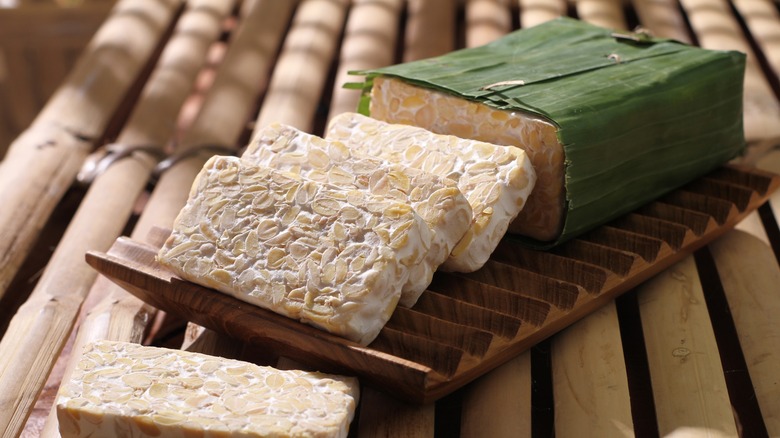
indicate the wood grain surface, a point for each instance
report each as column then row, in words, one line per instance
column 444, row 341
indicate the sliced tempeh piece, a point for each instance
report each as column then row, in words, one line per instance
column 437, row 200
column 126, row 389
column 495, row 179
column 327, row 256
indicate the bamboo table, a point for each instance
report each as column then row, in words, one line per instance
column 693, row 351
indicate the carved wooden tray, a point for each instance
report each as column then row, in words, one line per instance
column 468, row 324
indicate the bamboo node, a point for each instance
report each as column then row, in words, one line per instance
column 100, row 160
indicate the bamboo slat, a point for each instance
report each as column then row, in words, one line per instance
column 46, row 34
column 533, row 12
column 590, row 387
column 763, row 20
column 154, row 118
column 663, row 18
column 42, row 163
column 486, row 20
column 717, row 28
column 430, row 29
column 685, row 368
column 604, row 13
column 299, row 76
column 750, row 276
column 369, row 42
column 503, row 393
column 240, row 78
column 43, row 323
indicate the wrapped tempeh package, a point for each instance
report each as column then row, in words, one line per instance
column 609, row 119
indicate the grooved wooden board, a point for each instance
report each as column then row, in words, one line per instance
column 467, row 324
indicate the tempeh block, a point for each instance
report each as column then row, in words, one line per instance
column 129, row 390
column 496, row 180
column 396, row 101
column 327, row 256
column 437, row 200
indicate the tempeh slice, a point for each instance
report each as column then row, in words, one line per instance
column 437, row 200
column 125, row 389
column 327, row 256
column 496, row 180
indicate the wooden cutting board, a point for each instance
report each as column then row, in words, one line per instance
column 464, row 325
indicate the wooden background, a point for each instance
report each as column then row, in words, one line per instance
column 694, row 351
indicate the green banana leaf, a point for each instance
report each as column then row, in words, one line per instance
column 637, row 116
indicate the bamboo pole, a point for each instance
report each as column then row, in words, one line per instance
column 533, row 12
column 590, row 384
column 42, row 162
column 604, row 13
column 663, row 18
column 685, row 369
column 499, row 403
column 369, row 42
column 222, row 119
column 430, row 29
column 486, row 20
column 749, row 272
column 763, row 19
column 716, row 28
column 44, row 322
column 300, row 73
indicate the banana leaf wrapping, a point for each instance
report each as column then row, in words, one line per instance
column 636, row 116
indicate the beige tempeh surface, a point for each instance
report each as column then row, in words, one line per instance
column 543, row 392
